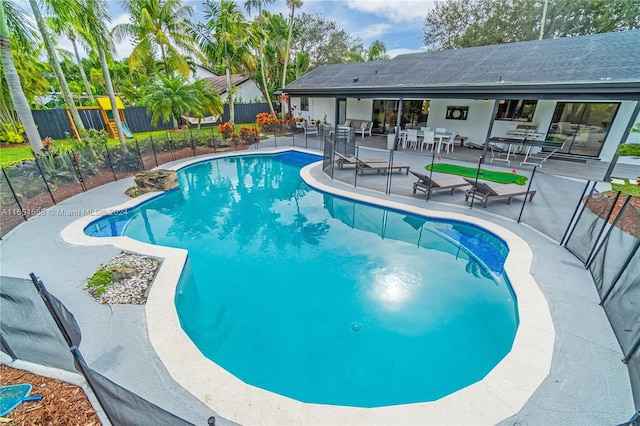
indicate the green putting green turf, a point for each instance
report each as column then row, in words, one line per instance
column 470, row 172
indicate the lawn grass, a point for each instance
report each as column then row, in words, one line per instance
column 14, row 154
column 629, row 187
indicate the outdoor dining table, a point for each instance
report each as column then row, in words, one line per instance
column 437, row 135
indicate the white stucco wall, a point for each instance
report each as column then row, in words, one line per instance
column 248, row 91
column 318, row 108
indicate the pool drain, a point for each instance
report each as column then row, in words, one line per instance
column 356, row 326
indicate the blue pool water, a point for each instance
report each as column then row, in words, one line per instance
column 323, row 299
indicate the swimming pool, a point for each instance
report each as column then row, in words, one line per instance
column 323, row 299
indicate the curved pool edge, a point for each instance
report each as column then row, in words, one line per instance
column 501, row 394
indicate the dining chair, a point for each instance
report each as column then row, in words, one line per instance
column 441, row 130
column 428, row 139
column 448, row 141
column 412, row 138
column 425, row 129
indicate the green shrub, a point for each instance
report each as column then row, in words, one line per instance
column 11, row 134
column 100, row 281
column 629, row 149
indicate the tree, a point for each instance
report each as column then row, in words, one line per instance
column 158, row 26
column 171, row 97
column 250, row 4
column 66, row 27
column 20, row 102
column 465, row 23
column 226, row 37
column 322, row 40
column 95, row 16
column 64, row 9
column 291, row 4
column 376, row 52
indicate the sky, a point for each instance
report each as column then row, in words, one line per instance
column 398, row 23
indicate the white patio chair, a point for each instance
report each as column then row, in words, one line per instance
column 425, row 129
column 412, row 138
column 365, row 128
column 441, row 130
column 429, row 139
column 449, row 142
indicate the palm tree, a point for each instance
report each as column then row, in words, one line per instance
column 171, row 97
column 226, row 36
column 18, row 98
column 64, row 9
column 272, row 31
column 68, row 28
column 158, row 26
column 96, row 16
column 249, row 4
column 291, row 4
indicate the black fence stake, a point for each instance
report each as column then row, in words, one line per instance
column 139, row 153
column 106, row 148
column 45, row 181
column 575, row 211
column 76, row 167
column 15, row 197
column 153, row 149
column 527, row 194
column 475, row 185
column 433, row 160
column 169, row 141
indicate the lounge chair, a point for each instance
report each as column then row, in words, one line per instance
column 310, row 130
column 429, row 185
column 486, row 193
column 345, row 160
column 379, row 166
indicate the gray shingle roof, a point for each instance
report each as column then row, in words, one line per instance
column 610, row 60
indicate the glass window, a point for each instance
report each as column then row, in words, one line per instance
column 304, row 103
column 582, row 126
column 516, row 109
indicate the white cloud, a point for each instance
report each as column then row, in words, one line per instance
column 374, row 31
column 397, row 11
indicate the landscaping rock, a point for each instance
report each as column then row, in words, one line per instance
column 153, row 180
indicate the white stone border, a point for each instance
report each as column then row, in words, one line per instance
column 501, row 394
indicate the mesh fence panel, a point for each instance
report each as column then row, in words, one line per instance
column 372, row 170
column 11, row 214
column 589, row 225
column 30, row 188
column 26, row 324
column 61, row 174
column 554, row 204
column 613, row 254
column 622, row 306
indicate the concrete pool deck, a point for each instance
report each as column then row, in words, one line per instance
column 586, row 382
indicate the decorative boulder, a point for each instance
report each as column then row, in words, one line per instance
column 153, row 180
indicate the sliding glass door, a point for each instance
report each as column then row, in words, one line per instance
column 583, row 127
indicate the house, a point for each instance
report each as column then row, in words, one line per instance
column 583, row 91
column 246, row 90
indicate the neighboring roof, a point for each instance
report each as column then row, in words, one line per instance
column 599, row 64
column 220, row 81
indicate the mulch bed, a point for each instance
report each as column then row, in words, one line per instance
column 630, row 222
column 62, row 403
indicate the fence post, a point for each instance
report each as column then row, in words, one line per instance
column 169, row 140
column 575, row 211
column 475, row 185
column 106, row 148
column 139, row 153
column 76, row 167
column 45, row 180
column 527, row 194
column 153, row 149
column 15, row 197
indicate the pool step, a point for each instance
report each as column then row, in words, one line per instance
column 299, row 159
